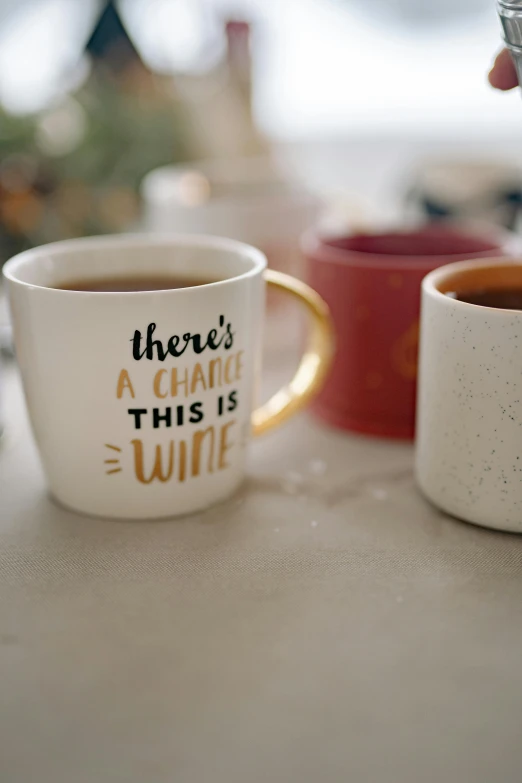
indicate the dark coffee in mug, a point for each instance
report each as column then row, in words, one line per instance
column 504, row 299
column 498, row 287
column 126, row 283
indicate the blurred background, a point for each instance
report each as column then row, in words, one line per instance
column 356, row 101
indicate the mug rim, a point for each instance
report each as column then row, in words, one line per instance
column 121, row 242
column 315, row 246
column 433, row 279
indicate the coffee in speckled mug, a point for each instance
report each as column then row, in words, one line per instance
column 469, row 411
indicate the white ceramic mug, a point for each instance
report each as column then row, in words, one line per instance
column 141, row 402
column 469, row 412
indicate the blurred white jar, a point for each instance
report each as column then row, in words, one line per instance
column 247, row 199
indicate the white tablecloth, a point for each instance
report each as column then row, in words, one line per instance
column 326, row 625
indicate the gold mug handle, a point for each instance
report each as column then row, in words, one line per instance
column 314, row 364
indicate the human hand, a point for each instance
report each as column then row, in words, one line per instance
column 503, row 75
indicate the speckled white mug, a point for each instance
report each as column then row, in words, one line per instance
column 469, row 412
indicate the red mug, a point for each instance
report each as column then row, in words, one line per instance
column 371, row 283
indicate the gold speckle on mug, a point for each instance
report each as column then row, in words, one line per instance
column 404, row 353
column 373, row 380
column 395, row 281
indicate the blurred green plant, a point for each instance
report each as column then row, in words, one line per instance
column 75, row 169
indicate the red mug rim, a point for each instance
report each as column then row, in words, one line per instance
column 483, row 243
